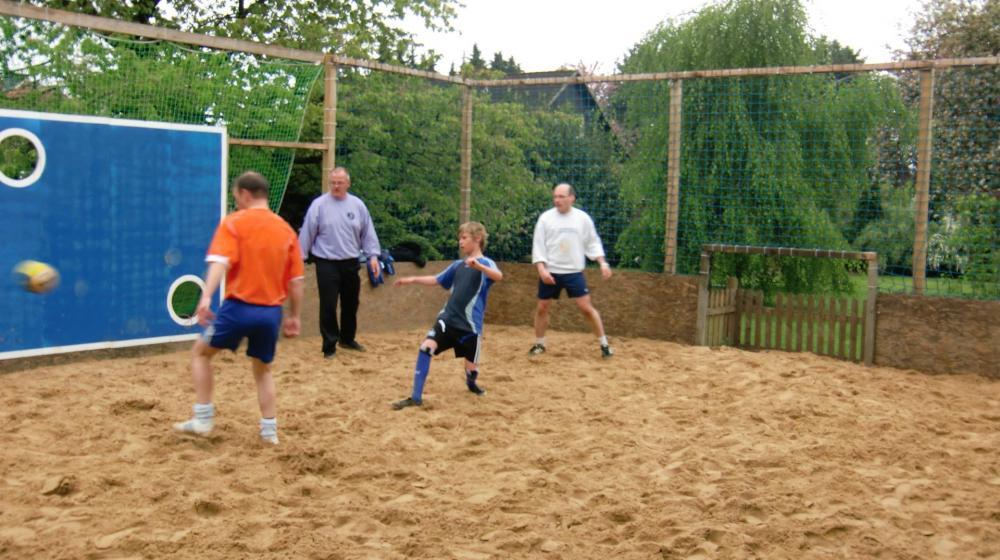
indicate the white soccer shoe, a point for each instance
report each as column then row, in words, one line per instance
column 194, row 426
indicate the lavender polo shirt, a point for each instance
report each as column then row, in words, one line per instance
column 338, row 229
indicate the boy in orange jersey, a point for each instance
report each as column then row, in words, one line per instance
column 259, row 254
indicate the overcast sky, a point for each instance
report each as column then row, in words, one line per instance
column 546, row 34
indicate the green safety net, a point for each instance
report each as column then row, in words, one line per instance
column 824, row 161
column 54, row 68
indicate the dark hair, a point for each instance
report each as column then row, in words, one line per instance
column 253, row 182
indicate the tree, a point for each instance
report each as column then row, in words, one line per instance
column 965, row 186
column 506, row 66
column 360, row 28
column 476, row 60
column 780, row 161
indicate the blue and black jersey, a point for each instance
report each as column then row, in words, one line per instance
column 469, row 288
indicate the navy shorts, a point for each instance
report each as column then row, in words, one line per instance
column 574, row 282
column 465, row 343
column 236, row 320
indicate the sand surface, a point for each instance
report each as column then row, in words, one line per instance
column 665, row 451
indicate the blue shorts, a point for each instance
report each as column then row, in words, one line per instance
column 574, row 282
column 236, row 320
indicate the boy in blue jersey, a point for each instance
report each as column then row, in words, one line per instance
column 460, row 324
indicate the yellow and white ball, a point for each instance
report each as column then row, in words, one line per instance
column 37, row 276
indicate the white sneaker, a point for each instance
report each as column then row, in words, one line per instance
column 271, row 439
column 194, row 426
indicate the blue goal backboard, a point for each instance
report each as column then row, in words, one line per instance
column 124, row 210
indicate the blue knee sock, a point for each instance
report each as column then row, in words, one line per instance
column 420, row 373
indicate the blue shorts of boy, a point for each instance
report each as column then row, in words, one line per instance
column 465, row 343
column 574, row 283
column 236, row 320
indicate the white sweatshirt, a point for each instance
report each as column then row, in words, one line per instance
column 562, row 241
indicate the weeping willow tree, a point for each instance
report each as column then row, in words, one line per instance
column 776, row 160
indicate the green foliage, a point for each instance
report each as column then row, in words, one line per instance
column 73, row 71
column 359, row 28
column 476, row 60
column 777, row 161
column 965, row 185
column 577, row 147
column 795, row 275
column 978, row 239
column 399, row 139
column 506, row 196
column 157, row 81
column 507, row 66
column 18, row 157
column 891, row 236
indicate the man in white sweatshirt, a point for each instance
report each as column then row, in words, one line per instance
column 564, row 238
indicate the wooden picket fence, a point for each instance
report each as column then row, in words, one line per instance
column 823, row 325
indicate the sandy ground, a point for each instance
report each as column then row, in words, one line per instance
column 665, row 451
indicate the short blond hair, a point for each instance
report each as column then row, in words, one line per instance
column 475, row 229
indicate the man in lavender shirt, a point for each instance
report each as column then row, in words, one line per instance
column 337, row 230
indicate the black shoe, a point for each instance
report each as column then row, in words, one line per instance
column 353, row 345
column 537, row 350
column 470, row 382
column 408, row 401
column 329, row 355
column 606, row 351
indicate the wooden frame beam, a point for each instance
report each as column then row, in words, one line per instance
column 107, row 25
column 276, row 144
column 749, row 72
column 790, row 252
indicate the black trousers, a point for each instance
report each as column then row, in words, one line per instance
column 338, row 280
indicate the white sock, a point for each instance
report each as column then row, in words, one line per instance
column 268, row 426
column 604, row 341
column 540, row 340
column 204, row 412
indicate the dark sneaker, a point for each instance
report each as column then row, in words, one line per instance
column 537, row 350
column 470, row 382
column 408, row 401
column 606, row 351
column 353, row 345
column 329, row 355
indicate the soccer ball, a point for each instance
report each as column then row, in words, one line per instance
column 37, row 277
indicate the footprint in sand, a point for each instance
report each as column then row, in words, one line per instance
column 207, row 508
column 107, row 541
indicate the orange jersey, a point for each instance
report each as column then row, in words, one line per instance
column 262, row 253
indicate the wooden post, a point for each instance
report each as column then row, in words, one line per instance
column 732, row 293
column 673, row 179
column 465, row 178
column 869, row 349
column 701, row 322
column 329, row 120
column 924, row 140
